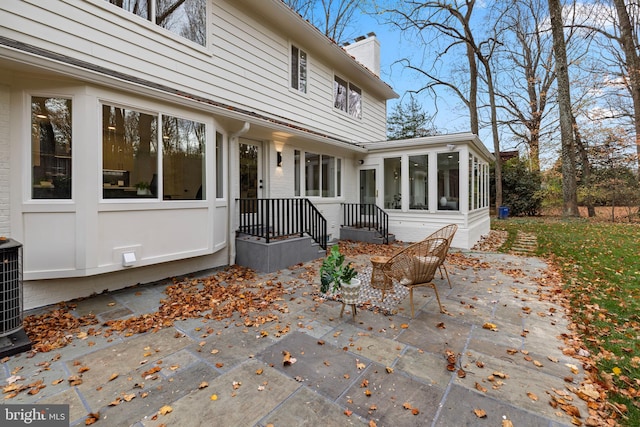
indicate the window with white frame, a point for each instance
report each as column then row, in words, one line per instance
column 448, row 181
column 299, row 66
column 392, row 183
column 50, row 148
column 186, row 18
column 133, row 142
column 321, row 174
column 418, row 182
column 478, row 183
column 347, row 97
column 219, row 166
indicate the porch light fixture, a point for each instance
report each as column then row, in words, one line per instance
column 279, row 159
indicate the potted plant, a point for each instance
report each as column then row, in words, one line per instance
column 342, row 276
column 143, row 188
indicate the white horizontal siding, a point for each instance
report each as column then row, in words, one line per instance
column 247, row 65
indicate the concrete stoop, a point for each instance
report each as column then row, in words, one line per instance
column 257, row 254
column 363, row 235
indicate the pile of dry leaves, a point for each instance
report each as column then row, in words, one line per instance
column 234, row 290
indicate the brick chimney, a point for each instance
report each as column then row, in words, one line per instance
column 366, row 50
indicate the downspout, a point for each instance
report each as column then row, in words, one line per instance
column 233, row 159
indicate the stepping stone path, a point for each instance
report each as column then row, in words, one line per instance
column 526, row 243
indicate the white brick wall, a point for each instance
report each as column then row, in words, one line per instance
column 5, row 150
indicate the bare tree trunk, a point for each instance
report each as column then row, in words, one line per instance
column 586, row 166
column 633, row 66
column 569, row 186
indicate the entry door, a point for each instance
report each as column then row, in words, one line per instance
column 368, row 186
column 250, row 168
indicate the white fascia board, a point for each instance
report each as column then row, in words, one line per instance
column 429, row 141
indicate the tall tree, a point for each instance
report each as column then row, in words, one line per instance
column 569, row 185
column 526, row 74
column 409, row 121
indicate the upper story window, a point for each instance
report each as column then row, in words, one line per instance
column 347, row 97
column 50, row 148
column 299, row 66
column 132, row 144
column 186, row 18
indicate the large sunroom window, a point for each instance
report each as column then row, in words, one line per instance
column 186, row 18
column 50, row 148
column 132, row 145
column 478, row 183
column 418, row 182
column 392, row 183
column 448, row 181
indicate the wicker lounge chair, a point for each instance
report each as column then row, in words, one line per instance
column 447, row 232
column 416, row 265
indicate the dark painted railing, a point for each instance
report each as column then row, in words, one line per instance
column 366, row 215
column 278, row 218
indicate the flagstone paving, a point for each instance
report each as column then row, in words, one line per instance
column 380, row 368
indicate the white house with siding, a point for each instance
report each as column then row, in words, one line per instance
column 130, row 135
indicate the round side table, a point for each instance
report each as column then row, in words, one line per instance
column 378, row 279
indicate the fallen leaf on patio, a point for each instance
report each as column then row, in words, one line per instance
column 214, row 397
column 219, row 365
column 373, row 407
column 115, row 402
column 346, row 376
column 461, row 373
column 367, row 392
column 287, row 359
column 236, row 385
column 490, row 326
column 479, row 364
column 532, row 396
column 553, row 359
column 260, row 388
column 479, row 387
column 348, row 412
column 389, row 370
column 571, row 410
column 407, row 405
column 113, row 376
column 327, row 363
column 129, row 397
column 511, row 351
column 320, row 342
column 507, row 423
column 203, row 384
column 58, row 381
column 404, row 326
column 259, row 371
column 151, row 371
column 500, row 375
column 441, row 325
column 574, row 368
column 538, row 364
column 165, row 410
column 83, row 369
column 415, row 411
column 372, row 423
column 480, row 413
column 360, row 365
column 74, row 380
column 92, row 418
column 215, row 351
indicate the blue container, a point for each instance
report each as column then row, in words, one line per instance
column 503, row 212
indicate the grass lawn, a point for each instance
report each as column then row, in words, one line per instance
column 600, row 265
